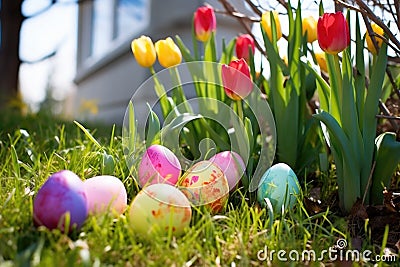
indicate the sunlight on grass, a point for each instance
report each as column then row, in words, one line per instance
column 232, row 238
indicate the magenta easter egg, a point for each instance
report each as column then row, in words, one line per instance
column 232, row 164
column 105, row 194
column 63, row 193
column 158, row 165
column 160, row 209
column 204, row 184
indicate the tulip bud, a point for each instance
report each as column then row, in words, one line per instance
column 204, row 23
column 309, row 25
column 370, row 45
column 144, row 51
column 321, row 60
column 333, row 32
column 266, row 24
column 168, row 53
column 243, row 43
column 236, row 79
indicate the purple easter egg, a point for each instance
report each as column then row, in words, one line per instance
column 159, row 165
column 62, row 193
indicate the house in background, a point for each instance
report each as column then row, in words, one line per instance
column 107, row 73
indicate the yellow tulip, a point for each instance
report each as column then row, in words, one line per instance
column 370, row 45
column 309, row 25
column 168, row 53
column 144, row 51
column 266, row 24
column 321, row 60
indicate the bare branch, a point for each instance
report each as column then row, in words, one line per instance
column 387, row 117
column 52, row 54
column 231, row 10
column 254, row 7
column 379, row 22
column 237, row 15
column 386, row 112
column 50, row 5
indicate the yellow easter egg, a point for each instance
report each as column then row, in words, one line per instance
column 160, row 209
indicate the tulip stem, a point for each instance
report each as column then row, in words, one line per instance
column 178, row 94
column 338, row 74
column 160, row 91
column 239, row 106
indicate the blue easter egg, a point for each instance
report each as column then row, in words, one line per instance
column 280, row 185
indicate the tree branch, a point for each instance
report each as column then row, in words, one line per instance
column 52, row 54
column 52, row 3
column 42, row 10
column 231, row 10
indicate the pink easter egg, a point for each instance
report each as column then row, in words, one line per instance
column 232, row 164
column 105, row 193
column 158, row 165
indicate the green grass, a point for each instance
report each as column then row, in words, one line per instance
column 34, row 147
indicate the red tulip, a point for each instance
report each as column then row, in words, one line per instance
column 236, row 79
column 333, row 32
column 204, row 23
column 243, row 42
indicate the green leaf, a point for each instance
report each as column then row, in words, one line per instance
column 177, row 93
column 227, row 51
column 15, row 162
column 195, row 42
column 348, row 110
column 350, row 177
column 249, row 131
column 210, row 52
column 359, row 79
column 273, row 55
column 371, row 109
column 132, row 127
column 387, row 159
column 162, row 95
column 335, row 79
column 108, row 164
column 153, row 127
column 321, row 8
column 184, row 50
column 322, row 87
column 88, row 135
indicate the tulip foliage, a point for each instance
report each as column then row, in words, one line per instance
column 348, row 110
column 344, row 121
column 289, row 88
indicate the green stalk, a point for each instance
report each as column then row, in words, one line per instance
column 162, row 95
column 370, row 110
column 344, row 156
column 284, row 99
column 349, row 116
column 178, row 94
column 239, row 108
column 335, row 79
column 359, row 82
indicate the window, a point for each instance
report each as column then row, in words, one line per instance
column 114, row 21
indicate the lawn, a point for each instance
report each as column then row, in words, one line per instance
column 34, row 147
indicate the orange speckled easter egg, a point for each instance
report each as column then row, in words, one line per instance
column 205, row 184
